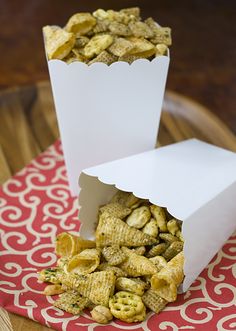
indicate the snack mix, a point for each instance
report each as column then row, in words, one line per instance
column 107, row 36
column 135, row 263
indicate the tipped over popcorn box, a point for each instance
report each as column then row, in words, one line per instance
column 108, row 73
column 193, row 180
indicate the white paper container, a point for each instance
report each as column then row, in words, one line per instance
column 194, row 180
column 106, row 112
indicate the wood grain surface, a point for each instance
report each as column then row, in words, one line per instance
column 28, row 126
column 203, row 55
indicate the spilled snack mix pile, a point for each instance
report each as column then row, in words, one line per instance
column 107, row 36
column 136, row 263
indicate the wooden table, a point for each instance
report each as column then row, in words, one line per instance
column 28, row 126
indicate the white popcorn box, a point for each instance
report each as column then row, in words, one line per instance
column 106, row 112
column 194, row 180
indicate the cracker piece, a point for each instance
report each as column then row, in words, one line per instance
column 81, row 41
column 97, row 44
column 130, row 58
column 77, row 54
column 168, row 238
column 50, row 275
column 120, row 47
column 130, row 285
column 162, row 36
column 157, row 250
column 72, row 302
column 53, row 289
column 166, row 281
column 100, row 14
column 139, row 317
column 118, row 272
column 80, row 24
column 104, row 57
column 159, row 214
column 141, row 250
column 85, row 262
column 147, row 280
column 142, row 281
column 133, row 201
column 113, row 255
column 62, row 262
column 120, row 197
column 137, row 265
column 151, row 228
column 173, row 226
column 142, row 47
column 58, row 42
column 119, row 17
column 141, row 29
column 153, row 301
column 68, row 244
column 161, row 49
column 119, row 29
column 139, row 217
column 114, row 209
column 123, row 16
column 101, row 26
column 126, row 198
column 159, row 261
column 134, row 11
column 125, row 305
column 174, row 248
column 151, row 23
column 140, row 202
column 180, row 235
column 113, row 231
column 70, row 58
column 98, row 287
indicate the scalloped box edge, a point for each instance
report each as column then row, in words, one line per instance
column 91, row 97
column 194, row 180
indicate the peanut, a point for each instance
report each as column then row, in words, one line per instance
column 101, row 314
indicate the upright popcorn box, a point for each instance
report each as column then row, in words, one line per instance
column 194, row 180
column 106, row 112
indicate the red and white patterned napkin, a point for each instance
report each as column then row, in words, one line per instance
column 36, row 205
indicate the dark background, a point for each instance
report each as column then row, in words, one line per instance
column 203, row 55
